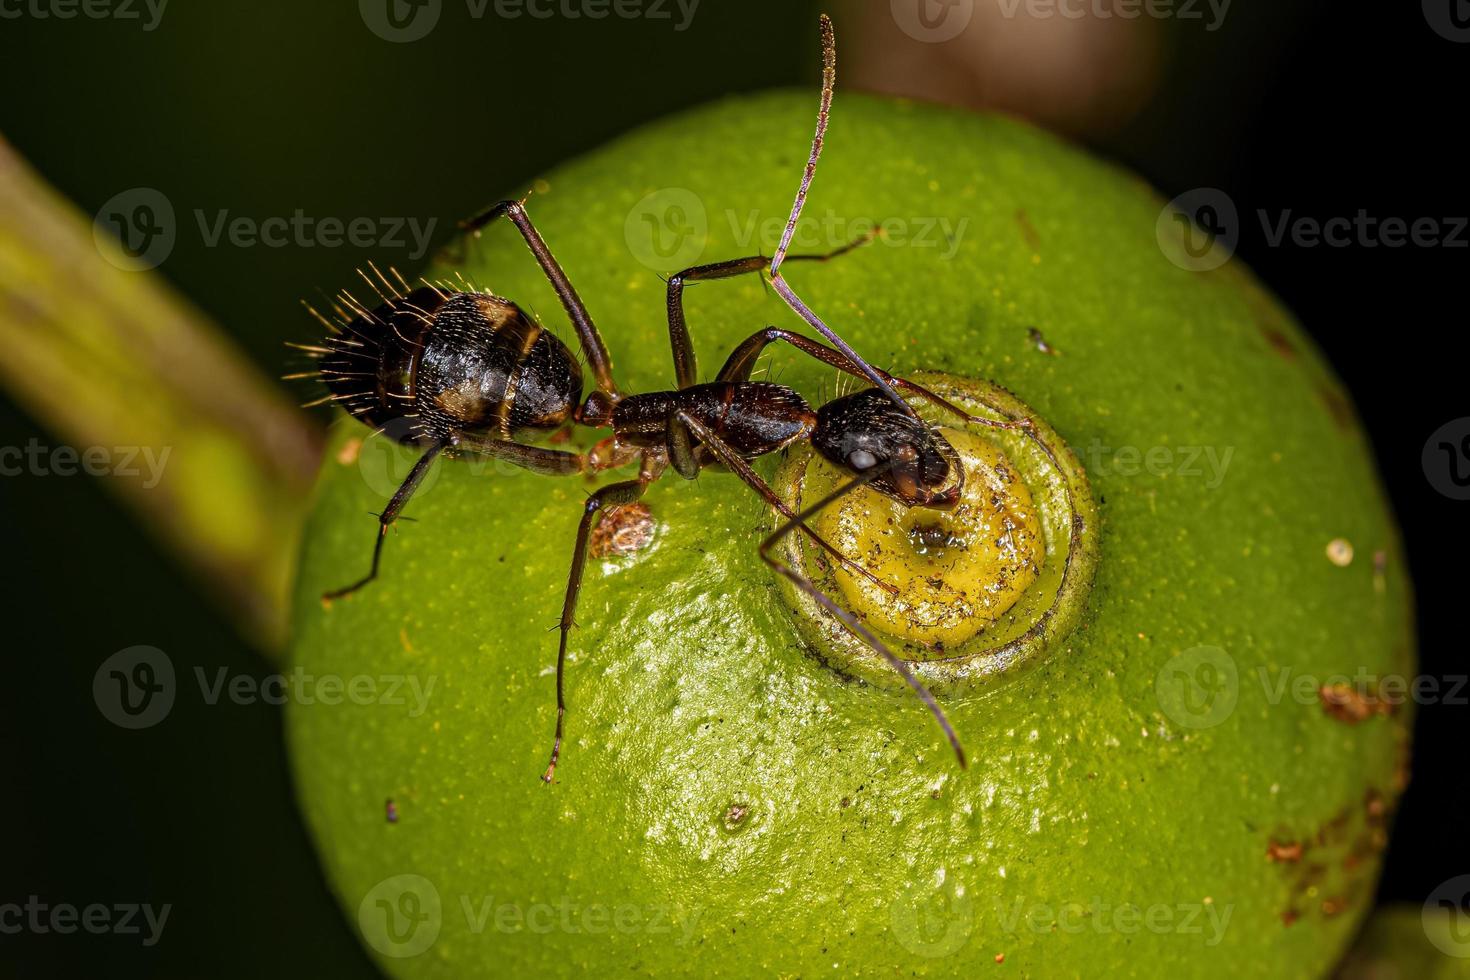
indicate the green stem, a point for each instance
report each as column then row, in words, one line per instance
column 115, row 359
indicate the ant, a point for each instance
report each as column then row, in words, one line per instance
column 464, row 372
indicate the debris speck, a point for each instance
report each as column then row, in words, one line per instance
column 347, row 455
column 1340, row 552
column 624, row 530
column 735, row 815
column 1041, row 342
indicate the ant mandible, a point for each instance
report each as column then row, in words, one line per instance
column 465, row 372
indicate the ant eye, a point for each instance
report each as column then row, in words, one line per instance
column 861, row 459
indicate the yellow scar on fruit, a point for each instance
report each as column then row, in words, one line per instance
column 956, row 570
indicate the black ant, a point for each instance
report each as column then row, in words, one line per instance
column 462, row 372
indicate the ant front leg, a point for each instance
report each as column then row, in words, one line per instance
column 685, row 371
column 847, row 619
column 611, row 495
column 743, row 358
column 679, row 445
column 592, row 345
column 389, row 515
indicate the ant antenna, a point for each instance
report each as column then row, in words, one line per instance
column 824, row 112
column 847, row 619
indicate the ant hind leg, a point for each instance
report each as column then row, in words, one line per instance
column 611, row 495
column 389, row 515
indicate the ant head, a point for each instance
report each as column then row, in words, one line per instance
column 865, row 431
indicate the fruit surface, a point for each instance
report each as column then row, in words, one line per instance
column 1164, row 795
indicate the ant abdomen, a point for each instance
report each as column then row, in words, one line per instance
column 436, row 362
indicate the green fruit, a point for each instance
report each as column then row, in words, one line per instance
column 729, row 804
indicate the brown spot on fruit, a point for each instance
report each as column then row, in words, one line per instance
column 1350, row 706
column 1337, row 406
column 624, row 530
column 1288, row 852
column 1279, row 342
column 1028, row 230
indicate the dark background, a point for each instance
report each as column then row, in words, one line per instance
column 263, row 107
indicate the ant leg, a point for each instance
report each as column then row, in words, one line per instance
column 548, row 462
column 609, row 496
column 824, row 112
column 592, row 346
column 743, row 358
column 389, row 515
column 743, row 469
column 848, row 619
column 685, row 371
